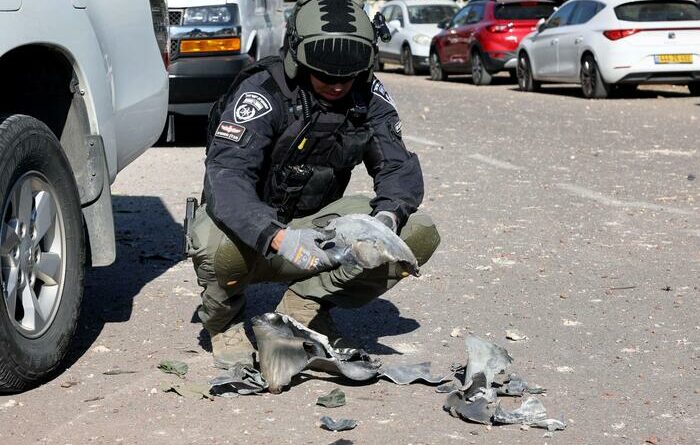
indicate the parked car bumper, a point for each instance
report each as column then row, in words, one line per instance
column 500, row 60
column 197, row 82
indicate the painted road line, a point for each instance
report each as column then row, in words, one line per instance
column 495, row 162
column 420, row 140
column 612, row 202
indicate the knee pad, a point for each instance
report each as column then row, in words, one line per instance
column 421, row 235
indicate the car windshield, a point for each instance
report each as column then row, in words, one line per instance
column 665, row 11
column 523, row 11
column 429, row 14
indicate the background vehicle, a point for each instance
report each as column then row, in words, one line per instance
column 75, row 109
column 482, row 38
column 212, row 41
column 614, row 43
column 412, row 23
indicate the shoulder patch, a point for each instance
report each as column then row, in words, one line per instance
column 379, row 90
column 230, row 131
column 250, row 106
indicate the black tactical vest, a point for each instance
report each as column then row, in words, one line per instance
column 322, row 145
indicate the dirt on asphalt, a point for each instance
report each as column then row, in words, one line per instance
column 574, row 223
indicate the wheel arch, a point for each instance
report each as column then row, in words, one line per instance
column 252, row 42
column 46, row 82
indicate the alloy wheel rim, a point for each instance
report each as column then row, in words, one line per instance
column 523, row 72
column 587, row 77
column 32, row 254
column 435, row 66
column 476, row 68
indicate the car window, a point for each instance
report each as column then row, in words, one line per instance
column 398, row 14
column 428, row 14
column 658, row 11
column 528, row 10
column 388, row 12
column 461, row 17
column 562, row 16
column 476, row 13
column 585, row 11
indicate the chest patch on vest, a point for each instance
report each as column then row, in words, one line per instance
column 378, row 89
column 250, row 106
column 230, row 131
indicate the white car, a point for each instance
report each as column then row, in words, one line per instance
column 84, row 91
column 412, row 23
column 602, row 44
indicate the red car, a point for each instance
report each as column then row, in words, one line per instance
column 482, row 38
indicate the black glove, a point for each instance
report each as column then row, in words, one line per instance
column 388, row 219
column 302, row 248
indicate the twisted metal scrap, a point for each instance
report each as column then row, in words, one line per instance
column 286, row 347
column 366, row 242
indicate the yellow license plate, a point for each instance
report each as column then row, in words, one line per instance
column 673, row 58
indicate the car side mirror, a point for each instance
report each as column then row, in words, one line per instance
column 394, row 25
column 541, row 25
column 442, row 24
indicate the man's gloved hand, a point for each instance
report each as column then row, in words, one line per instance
column 302, row 247
column 388, row 219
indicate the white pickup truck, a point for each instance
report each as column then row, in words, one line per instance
column 83, row 92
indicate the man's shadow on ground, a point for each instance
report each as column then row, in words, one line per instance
column 148, row 244
column 362, row 326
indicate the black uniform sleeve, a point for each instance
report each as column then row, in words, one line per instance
column 234, row 163
column 398, row 180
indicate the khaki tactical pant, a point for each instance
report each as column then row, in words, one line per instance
column 225, row 266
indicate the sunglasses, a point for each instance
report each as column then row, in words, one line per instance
column 331, row 80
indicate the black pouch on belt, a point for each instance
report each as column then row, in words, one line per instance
column 287, row 184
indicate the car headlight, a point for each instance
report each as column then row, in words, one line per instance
column 207, row 15
column 421, row 39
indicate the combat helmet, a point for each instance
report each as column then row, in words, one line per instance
column 334, row 37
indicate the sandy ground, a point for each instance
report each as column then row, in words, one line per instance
column 574, row 222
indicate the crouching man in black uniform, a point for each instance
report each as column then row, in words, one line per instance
column 289, row 134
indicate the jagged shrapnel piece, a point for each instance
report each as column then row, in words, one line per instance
column 286, row 347
column 364, row 241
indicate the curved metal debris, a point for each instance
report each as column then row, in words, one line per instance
column 286, row 347
column 477, row 411
column 337, row 425
column 240, row 379
column 516, row 386
column 405, row 374
column 531, row 412
column 485, row 357
column 366, row 242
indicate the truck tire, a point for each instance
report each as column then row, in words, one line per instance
column 42, row 253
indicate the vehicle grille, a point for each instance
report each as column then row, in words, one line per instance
column 175, row 16
column 174, row 49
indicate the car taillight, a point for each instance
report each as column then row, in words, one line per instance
column 617, row 34
column 159, row 15
column 498, row 28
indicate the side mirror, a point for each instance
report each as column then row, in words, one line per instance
column 541, row 25
column 394, row 25
column 442, row 24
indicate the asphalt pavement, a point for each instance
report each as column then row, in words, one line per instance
column 574, row 222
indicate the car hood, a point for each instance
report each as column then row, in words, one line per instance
column 429, row 29
column 193, row 3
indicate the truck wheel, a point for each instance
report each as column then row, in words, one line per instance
column 42, row 253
